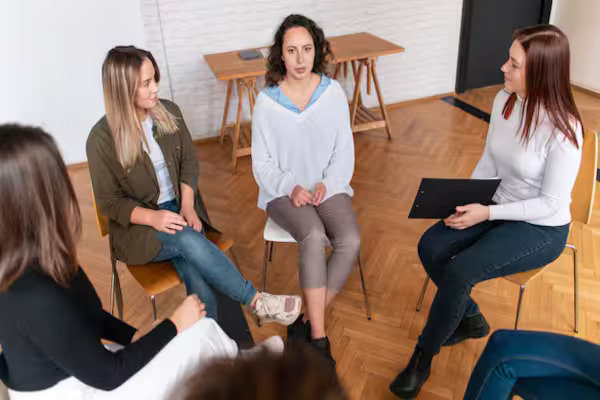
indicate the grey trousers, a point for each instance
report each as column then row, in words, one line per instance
column 314, row 228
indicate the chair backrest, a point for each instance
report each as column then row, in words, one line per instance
column 582, row 196
column 101, row 220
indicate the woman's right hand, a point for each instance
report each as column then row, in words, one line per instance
column 167, row 221
column 188, row 313
column 301, row 196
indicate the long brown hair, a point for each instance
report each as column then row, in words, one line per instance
column 120, row 81
column 276, row 67
column 39, row 214
column 547, row 82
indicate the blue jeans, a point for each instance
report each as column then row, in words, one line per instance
column 536, row 365
column 202, row 266
column 456, row 260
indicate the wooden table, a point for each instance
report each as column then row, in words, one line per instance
column 358, row 49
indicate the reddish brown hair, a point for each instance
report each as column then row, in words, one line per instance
column 39, row 214
column 547, row 82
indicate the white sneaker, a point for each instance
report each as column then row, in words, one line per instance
column 274, row 345
column 277, row 308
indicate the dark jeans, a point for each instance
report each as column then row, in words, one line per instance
column 456, row 260
column 536, row 365
column 202, row 265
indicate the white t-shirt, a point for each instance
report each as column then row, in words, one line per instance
column 155, row 153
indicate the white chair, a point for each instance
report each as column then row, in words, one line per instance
column 273, row 233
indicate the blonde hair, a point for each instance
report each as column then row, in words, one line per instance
column 120, row 81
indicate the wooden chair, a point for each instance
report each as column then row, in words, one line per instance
column 155, row 277
column 581, row 212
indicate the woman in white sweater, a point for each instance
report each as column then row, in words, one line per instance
column 534, row 146
column 303, row 160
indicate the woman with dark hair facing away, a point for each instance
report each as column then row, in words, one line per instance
column 297, row 373
column 51, row 319
column 145, row 178
column 534, row 146
column 303, row 160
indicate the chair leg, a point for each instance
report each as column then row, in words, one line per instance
column 234, row 258
column 521, row 291
column 112, row 292
column 115, row 290
column 265, row 261
column 153, row 301
column 420, row 302
column 271, row 252
column 576, row 286
column 364, row 288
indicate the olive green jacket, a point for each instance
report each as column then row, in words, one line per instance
column 118, row 191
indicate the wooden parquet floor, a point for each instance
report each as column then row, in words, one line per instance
column 431, row 139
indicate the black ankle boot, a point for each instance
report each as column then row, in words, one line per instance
column 299, row 331
column 473, row 327
column 323, row 347
column 409, row 382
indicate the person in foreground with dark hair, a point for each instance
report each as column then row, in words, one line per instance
column 299, row 373
column 51, row 319
column 534, row 146
column 303, row 161
column 536, row 365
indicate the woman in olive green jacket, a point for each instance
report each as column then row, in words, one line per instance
column 145, row 179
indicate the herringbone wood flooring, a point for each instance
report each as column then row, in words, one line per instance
column 429, row 140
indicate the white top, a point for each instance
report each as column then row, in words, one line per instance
column 165, row 184
column 537, row 179
column 290, row 149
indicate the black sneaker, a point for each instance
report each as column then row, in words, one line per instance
column 473, row 327
column 299, row 331
column 323, row 347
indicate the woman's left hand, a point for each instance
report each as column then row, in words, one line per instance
column 319, row 193
column 190, row 216
column 467, row 216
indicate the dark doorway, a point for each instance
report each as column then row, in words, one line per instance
column 486, row 35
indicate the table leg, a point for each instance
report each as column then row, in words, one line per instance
column 227, row 99
column 238, row 122
column 356, row 96
column 354, row 72
column 388, row 128
column 337, row 70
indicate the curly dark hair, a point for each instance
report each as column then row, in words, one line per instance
column 276, row 67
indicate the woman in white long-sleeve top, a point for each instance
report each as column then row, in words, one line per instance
column 534, row 146
column 303, row 161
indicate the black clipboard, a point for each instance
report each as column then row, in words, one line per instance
column 438, row 198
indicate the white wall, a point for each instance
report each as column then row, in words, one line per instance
column 428, row 29
column 578, row 19
column 51, row 54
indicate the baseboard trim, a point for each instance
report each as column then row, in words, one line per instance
column 416, row 101
column 585, row 90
